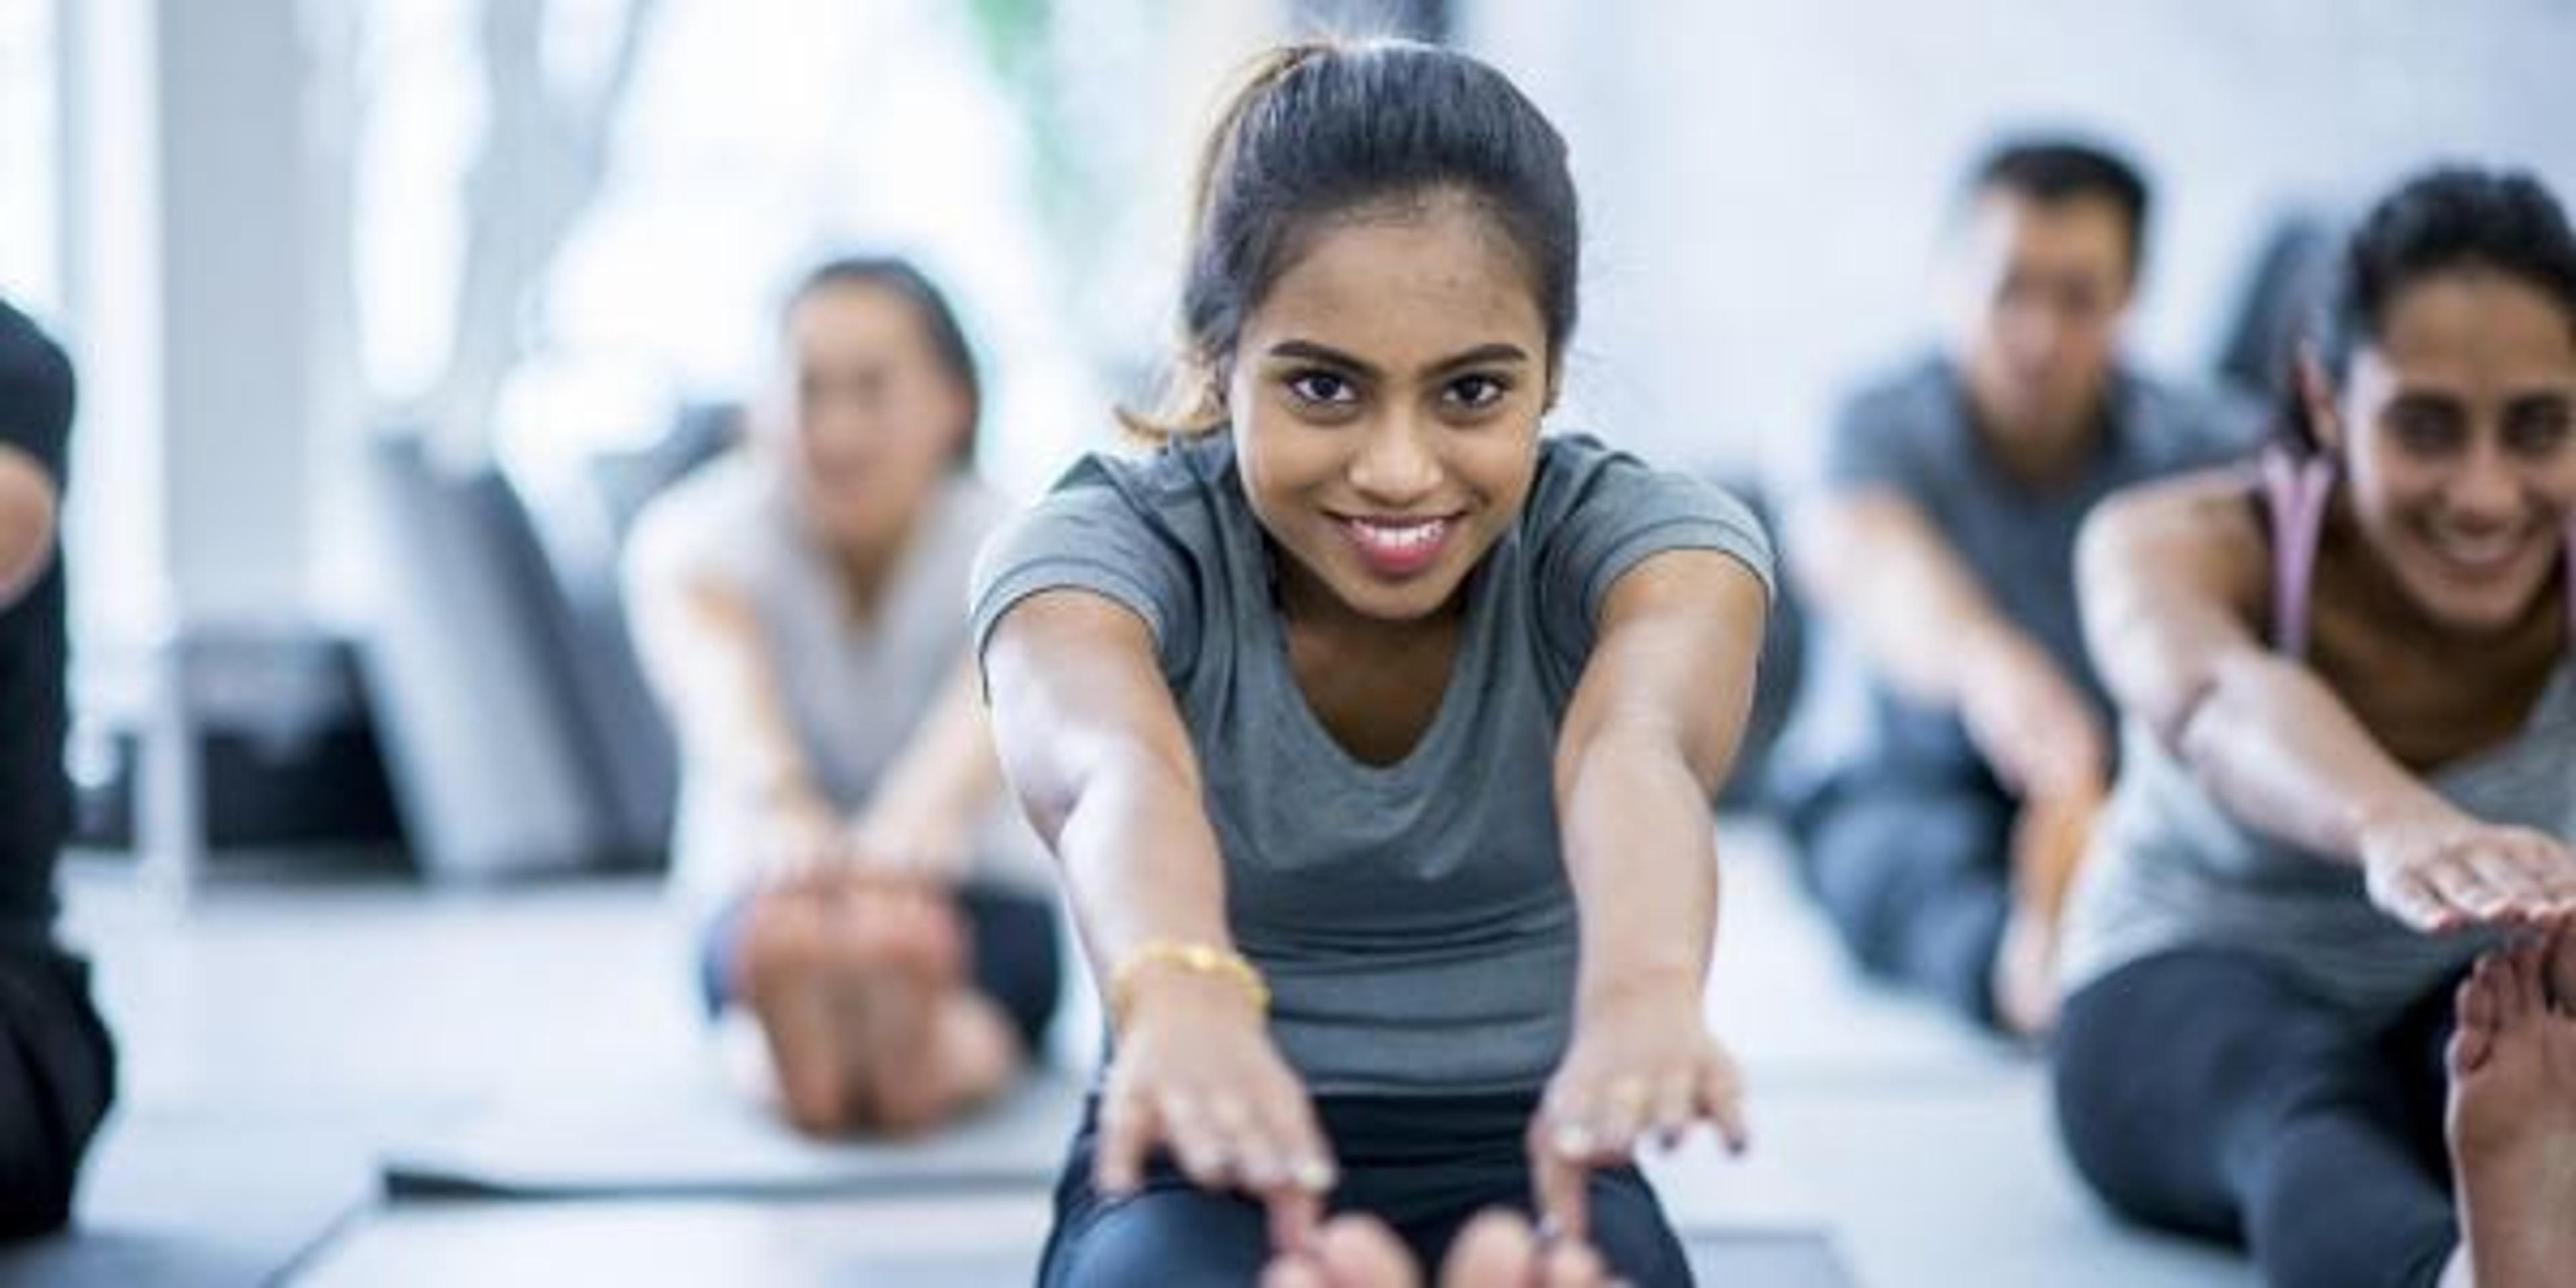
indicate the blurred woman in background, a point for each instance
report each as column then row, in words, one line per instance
column 2351, row 774
column 855, row 887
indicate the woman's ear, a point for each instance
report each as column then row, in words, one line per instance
column 2317, row 398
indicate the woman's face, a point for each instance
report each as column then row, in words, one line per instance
column 2455, row 429
column 1385, row 399
column 864, row 416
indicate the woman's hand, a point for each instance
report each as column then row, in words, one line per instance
column 900, row 837
column 801, row 841
column 1196, row 1073
column 1640, row 1064
column 2439, row 870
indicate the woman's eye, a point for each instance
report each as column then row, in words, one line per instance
column 2538, row 432
column 2423, row 430
column 1475, row 392
column 1322, row 388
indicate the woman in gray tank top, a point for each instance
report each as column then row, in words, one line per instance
column 2321, row 968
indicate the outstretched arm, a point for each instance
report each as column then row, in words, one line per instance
column 1094, row 745
column 1916, row 611
column 2173, row 578
column 1647, row 741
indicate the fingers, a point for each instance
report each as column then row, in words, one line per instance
column 1560, row 1153
column 2405, row 894
column 1677, row 1106
column 1294, row 1215
column 1619, row 1116
column 1721, row 1100
column 2462, row 890
column 1127, row 1125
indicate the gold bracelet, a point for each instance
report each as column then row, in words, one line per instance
column 1192, row 958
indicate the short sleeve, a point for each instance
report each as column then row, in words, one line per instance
column 1598, row 513
column 1096, row 531
column 1868, row 445
column 35, row 394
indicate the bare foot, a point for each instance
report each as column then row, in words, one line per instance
column 847, row 978
column 2513, row 1124
column 1496, row 1250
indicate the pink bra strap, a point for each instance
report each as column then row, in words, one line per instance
column 2298, row 490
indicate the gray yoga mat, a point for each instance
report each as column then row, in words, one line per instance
column 1773, row 1259
column 202, row 1199
column 708, row 1142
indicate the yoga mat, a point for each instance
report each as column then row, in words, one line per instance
column 958, row 1241
column 201, row 1199
column 711, row 1142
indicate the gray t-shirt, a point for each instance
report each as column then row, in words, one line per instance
column 1414, row 920
column 1912, row 434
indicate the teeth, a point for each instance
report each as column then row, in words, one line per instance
column 2475, row 551
column 1405, row 537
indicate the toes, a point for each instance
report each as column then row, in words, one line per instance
column 1360, row 1250
column 1495, row 1248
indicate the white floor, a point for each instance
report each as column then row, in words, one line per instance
column 277, row 1032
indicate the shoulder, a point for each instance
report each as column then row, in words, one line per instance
column 1901, row 392
column 704, row 521
column 1177, row 492
column 1596, row 510
column 2206, row 520
column 1896, row 428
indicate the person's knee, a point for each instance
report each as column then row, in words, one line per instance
column 1884, row 869
column 1170, row 1238
column 57, row 1081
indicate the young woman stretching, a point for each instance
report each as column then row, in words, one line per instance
column 1376, row 734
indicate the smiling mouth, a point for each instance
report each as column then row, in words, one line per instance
column 1397, row 546
column 2480, row 554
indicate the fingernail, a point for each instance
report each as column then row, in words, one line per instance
column 1312, row 1174
column 1572, row 1141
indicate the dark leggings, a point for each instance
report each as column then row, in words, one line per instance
column 57, row 1078
column 1423, row 1165
column 1011, row 946
column 2204, row 1092
column 1916, row 877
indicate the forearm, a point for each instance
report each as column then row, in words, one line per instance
column 1911, row 606
column 2279, row 750
column 1140, row 863
column 705, row 659
column 1641, row 855
column 947, row 774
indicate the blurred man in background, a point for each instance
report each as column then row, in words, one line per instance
column 1952, row 745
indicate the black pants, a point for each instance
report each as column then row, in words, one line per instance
column 1011, row 947
column 1425, row 1166
column 1917, row 878
column 2203, row 1092
column 57, row 1078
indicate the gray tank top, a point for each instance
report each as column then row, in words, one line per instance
column 2173, row 869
